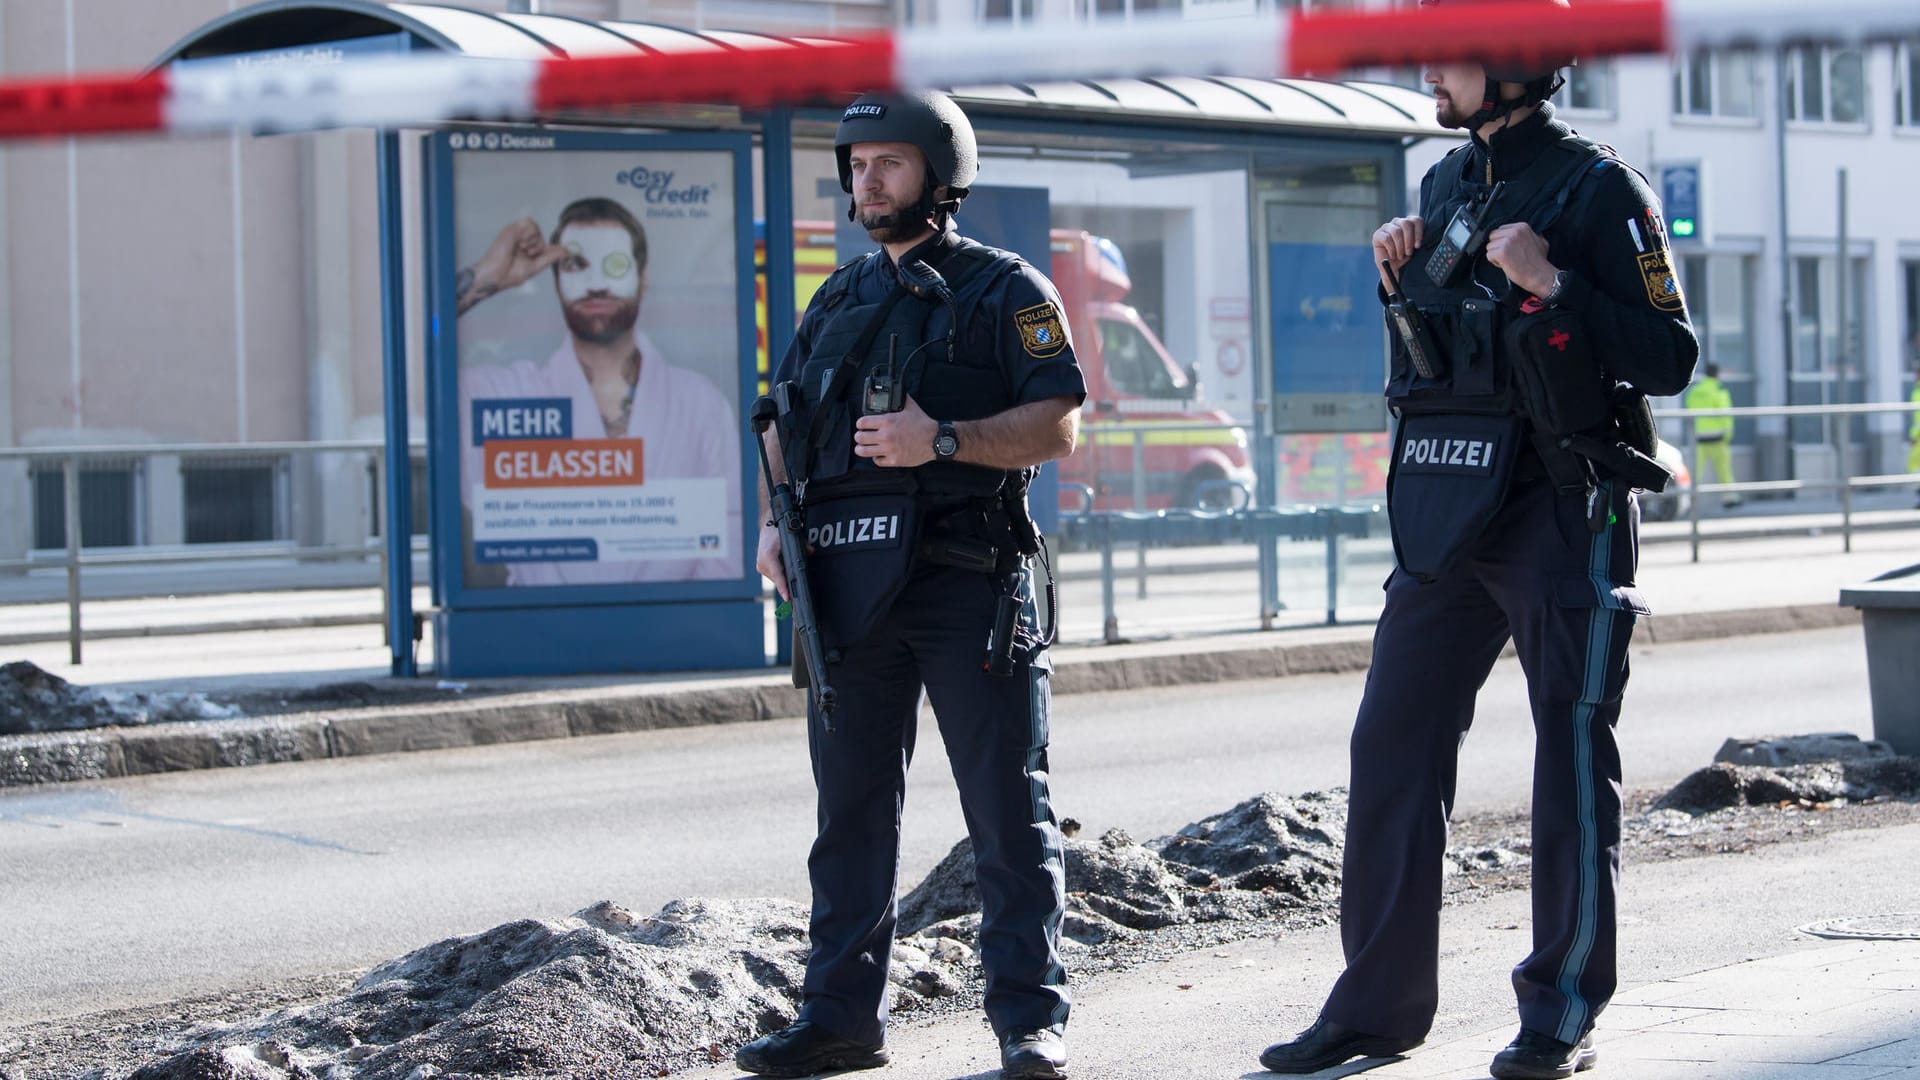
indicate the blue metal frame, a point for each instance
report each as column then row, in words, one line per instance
column 444, row 455
column 399, row 457
column 776, row 156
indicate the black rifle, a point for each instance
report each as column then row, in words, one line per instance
column 793, row 552
column 1027, row 541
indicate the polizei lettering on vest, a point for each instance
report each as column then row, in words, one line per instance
column 1439, row 450
column 884, row 528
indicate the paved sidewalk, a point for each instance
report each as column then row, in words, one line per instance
column 1755, row 586
column 1743, row 994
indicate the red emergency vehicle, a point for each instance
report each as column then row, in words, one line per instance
column 1133, row 384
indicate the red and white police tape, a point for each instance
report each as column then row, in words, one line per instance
column 424, row 91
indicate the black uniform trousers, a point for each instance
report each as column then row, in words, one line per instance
column 995, row 730
column 1564, row 595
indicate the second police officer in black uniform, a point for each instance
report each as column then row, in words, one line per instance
column 1532, row 304
column 925, row 379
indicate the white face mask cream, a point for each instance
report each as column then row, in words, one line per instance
column 599, row 259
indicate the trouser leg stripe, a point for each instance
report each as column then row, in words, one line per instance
column 1593, row 690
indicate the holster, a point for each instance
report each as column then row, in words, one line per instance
column 1622, row 460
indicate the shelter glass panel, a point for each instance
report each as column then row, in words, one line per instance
column 1146, row 240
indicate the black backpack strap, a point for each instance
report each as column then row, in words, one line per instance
column 1589, row 161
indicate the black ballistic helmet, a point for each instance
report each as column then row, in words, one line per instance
column 928, row 120
column 1539, row 74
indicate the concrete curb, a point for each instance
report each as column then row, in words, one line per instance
column 103, row 753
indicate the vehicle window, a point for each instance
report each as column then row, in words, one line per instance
column 1132, row 365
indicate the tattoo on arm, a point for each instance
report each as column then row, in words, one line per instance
column 467, row 293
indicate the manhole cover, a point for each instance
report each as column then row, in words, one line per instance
column 1900, row 926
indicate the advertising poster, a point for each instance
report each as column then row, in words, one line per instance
column 1326, row 319
column 597, row 328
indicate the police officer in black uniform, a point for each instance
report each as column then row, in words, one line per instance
column 1532, row 304
column 924, row 381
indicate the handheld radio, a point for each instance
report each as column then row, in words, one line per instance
column 885, row 390
column 1411, row 328
column 1465, row 237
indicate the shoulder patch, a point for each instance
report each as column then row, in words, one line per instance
column 1663, row 285
column 1041, row 332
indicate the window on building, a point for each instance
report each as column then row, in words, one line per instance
column 1126, row 9
column 1720, row 299
column 1910, row 350
column 1589, row 87
column 1826, row 86
column 1829, row 354
column 1017, row 12
column 109, row 504
column 1709, row 83
column 1911, row 275
column 232, row 501
column 1906, row 85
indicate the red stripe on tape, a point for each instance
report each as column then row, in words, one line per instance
column 757, row 76
column 1487, row 30
column 47, row 107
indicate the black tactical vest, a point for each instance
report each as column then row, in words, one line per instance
column 1467, row 322
column 939, row 351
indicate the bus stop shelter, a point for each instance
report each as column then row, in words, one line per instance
column 556, row 546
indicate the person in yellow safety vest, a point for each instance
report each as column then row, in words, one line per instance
column 1714, row 433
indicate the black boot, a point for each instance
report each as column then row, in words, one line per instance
column 802, row 1049
column 1033, row 1055
column 1533, row 1056
column 1327, row 1044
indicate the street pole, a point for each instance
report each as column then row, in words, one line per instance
column 1782, row 237
column 1843, row 350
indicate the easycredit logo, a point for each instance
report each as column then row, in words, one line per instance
column 525, row 463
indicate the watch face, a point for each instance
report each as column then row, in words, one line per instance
column 944, row 445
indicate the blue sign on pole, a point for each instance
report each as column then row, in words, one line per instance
column 1680, row 198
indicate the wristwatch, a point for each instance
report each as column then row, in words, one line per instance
column 946, row 442
column 1558, row 289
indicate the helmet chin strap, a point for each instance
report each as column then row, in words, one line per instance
column 1493, row 106
column 927, row 209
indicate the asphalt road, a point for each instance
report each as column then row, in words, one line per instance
column 143, row 890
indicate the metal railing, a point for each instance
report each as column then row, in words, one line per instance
column 1842, row 481
column 71, row 461
column 1238, row 521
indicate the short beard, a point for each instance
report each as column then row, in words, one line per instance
column 1448, row 115
column 894, row 228
column 602, row 329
